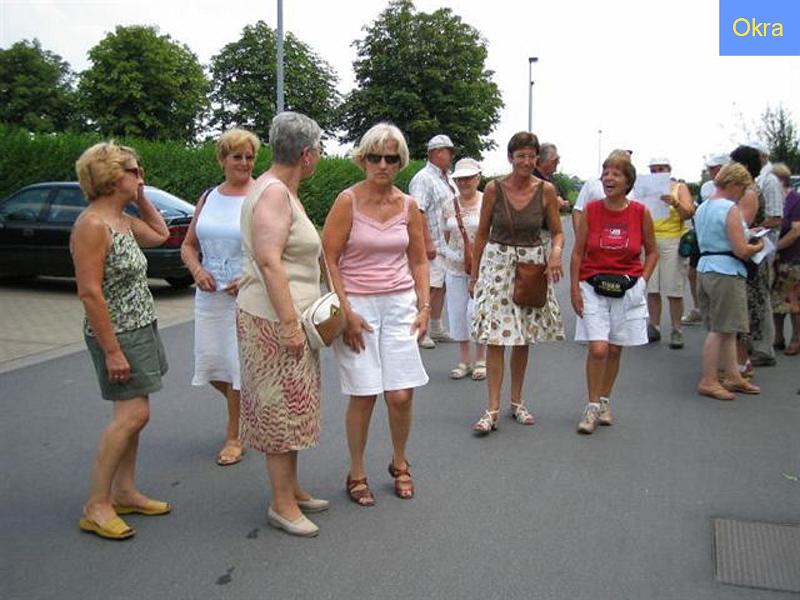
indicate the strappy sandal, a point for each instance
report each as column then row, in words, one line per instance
column 461, row 370
column 479, row 370
column 402, row 489
column 743, row 387
column 363, row 496
column 520, row 414
column 487, row 423
column 231, row 453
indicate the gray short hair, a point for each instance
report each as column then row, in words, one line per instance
column 547, row 150
column 372, row 142
column 290, row 134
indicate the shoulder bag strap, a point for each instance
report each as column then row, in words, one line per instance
column 460, row 221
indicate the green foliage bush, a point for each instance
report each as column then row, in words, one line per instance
column 173, row 166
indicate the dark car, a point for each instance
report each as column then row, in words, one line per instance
column 36, row 221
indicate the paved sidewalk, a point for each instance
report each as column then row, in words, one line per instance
column 42, row 318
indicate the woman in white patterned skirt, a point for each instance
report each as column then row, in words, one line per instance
column 215, row 235
column 500, row 244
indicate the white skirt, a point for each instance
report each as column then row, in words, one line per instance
column 459, row 306
column 216, row 352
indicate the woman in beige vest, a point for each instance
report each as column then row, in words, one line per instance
column 280, row 373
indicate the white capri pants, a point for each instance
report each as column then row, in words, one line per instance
column 618, row 321
column 390, row 360
column 459, row 306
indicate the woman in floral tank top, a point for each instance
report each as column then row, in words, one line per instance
column 120, row 326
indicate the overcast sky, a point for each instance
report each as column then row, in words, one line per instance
column 648, row 74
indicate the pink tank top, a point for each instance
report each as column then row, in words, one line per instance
column 374, row 260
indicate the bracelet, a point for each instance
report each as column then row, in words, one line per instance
column 425, row 306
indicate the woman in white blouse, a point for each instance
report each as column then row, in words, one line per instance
column 212, row 251
column 460, row 222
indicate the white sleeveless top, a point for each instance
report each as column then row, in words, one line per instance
column 219, row 232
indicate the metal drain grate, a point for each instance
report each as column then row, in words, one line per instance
column 757, row 555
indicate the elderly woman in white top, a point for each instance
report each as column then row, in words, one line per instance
column 215, row 234
column 459, row 224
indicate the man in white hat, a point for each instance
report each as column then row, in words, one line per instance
column 714, row 162
column 433, row 188
column 762, row 353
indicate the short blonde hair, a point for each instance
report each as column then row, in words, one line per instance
column 373, row 141
column 233, row 138
column 100, row 167
column 733, row 173
column 782, row 172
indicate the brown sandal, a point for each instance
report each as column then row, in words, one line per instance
column 362, row 497
column 402, row 489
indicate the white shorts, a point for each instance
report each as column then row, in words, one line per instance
column 390, row 360
column 618, row 321
column 459, row 306
column 437, row 270
column 670, row 273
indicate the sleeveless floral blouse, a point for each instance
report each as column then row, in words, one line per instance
column 130, row 303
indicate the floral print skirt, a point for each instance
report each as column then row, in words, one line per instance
column 279, row 406
column 496, row 319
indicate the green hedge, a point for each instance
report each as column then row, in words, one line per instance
column 173, row 166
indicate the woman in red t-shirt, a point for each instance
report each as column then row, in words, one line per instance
column 608, row 282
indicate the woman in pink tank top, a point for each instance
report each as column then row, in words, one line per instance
column 373, row 242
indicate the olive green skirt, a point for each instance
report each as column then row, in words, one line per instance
column 145, row 354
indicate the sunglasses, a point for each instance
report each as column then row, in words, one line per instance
column 137, row 172
column 391, row 159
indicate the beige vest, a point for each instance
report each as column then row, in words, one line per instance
column 300, row 258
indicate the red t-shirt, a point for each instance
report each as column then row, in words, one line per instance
column 614, row 241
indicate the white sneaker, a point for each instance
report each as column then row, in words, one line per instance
column 427, row 342
column 588, row 420
column 302, row 526
column 604, row 414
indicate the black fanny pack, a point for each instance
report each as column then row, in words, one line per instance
column 611, row 285
column 752, row 268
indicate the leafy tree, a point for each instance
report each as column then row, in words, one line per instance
column 245, row 81
column 425, row 73
column 780, row 133
column 144, row 84
column 36, row 88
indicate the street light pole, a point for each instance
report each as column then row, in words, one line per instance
column 279, row 70
column 531, row 60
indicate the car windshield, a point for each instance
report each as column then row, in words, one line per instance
column 167, row 204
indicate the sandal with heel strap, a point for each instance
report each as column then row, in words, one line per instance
column 461, row 370
column 519, row 412
column 487, row 423
column 362, row 497
column 479, row 370
column 402, row 489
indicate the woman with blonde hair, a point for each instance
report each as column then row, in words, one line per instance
column 724, row 248
column 215, row 234
column 375, row 250
column 280, row 395
column 120, row 326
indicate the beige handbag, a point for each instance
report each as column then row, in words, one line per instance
column 323, row 321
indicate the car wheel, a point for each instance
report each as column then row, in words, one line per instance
column 180, row 282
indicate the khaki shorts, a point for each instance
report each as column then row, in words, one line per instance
column 670, row 273
column 145, row 354
column 723, row 302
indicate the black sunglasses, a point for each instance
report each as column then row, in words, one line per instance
column 391, row 159
column 135, row 171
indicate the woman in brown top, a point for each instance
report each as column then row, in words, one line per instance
column 499, row 245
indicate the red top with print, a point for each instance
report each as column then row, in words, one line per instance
column 614, row 242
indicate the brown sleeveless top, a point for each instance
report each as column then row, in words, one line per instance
column 527, row 222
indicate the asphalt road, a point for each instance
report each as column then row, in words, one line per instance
column 528, row 512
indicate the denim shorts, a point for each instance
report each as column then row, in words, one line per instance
column 145, row 354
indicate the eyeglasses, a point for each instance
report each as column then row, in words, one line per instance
column 524, row 156
column 137, row 172
column 242, row 157
column 391, row 159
